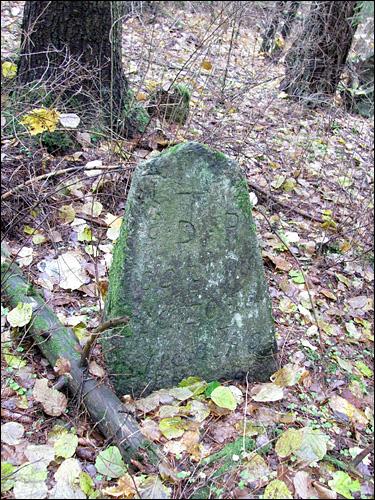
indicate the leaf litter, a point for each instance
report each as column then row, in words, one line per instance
column 312, row 407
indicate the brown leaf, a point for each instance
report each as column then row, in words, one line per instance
column 53, row 402
column 62, row 366
column 96, row 370
column 323, row 491
column 150, row 430
column 303, row 485
column 278, row 262
column 328, row 294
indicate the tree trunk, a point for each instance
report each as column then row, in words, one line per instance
column 74, row 49
column 55, row 341
column 315, row 61
column 289, row 18
column 270, row 33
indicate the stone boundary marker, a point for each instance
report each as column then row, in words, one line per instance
column 188, row 272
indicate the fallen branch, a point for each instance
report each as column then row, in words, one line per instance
column 55, row 173
column 104, row 407
column 269, row 196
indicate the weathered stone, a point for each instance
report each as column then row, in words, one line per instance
column 187, row 270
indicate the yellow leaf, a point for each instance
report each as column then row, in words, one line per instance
column 41, row 120
column 151, row 85
column 341, row 405
column 8, row 69
column 345, row 246
column 126, row 488
column 207, row 65
column 141, row 96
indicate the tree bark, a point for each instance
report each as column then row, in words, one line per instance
column 316, row 60
column 289, row 18
column 55, row 341
column 74, row 48
column 270, row 33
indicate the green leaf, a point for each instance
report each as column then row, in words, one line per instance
column 224, row 398
column 173, row 427
column 277, row 489
column 86, row 483
column 20, row 315
column 364, row 369
column 211, row 386
column 38, row 239
column 289, row 184
column 343, row 484
column 186, row 382
column 66, row 445
column 7, row 477
column 85, row 234
column 8, row 69
column 110, row 463
column 289, row 442
column 14, row 361
column 297, row 276
column 314, row 445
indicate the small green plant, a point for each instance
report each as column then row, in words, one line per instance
column 58, row 142
column 21, row 391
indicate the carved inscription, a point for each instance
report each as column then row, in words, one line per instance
column 191, row 277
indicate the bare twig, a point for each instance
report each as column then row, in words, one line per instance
column 107, row 325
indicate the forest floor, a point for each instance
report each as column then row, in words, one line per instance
column 307, row 433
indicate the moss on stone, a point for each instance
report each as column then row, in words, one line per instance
column 187, row 270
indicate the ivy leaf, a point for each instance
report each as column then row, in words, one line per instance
column 110, row 463
column 277, row 489
column 224, row 398
column 14, row 361
column 343, row 484
column 20, row 315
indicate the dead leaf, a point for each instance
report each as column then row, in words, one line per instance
column 150, row 429
column 53, row 402
column 96, row 370
column 62, row 366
